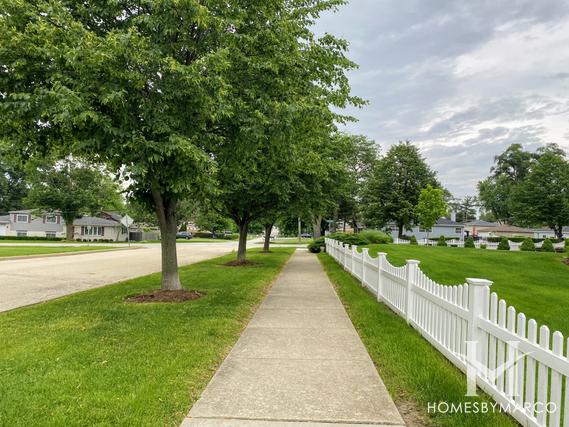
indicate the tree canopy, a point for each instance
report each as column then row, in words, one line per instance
column 393, row 190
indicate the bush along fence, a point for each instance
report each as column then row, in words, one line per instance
column 507, row 356
column 514, row 246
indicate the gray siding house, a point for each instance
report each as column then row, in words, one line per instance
column 92, row 228
column 25, row 222
column 443, row 227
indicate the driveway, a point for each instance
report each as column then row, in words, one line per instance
column 29, row 281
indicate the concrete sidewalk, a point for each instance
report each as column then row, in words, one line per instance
column 299, row 362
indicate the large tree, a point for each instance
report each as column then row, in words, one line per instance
column 509, row 170
column 543, row 195
column 393, row 189
column 141, row 86
column 71, row 188
column 283, row 81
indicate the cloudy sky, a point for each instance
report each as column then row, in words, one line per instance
column 462, row 79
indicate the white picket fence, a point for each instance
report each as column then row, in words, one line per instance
column 512, row 359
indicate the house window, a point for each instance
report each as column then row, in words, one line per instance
column 21, row 218
column 458, row 230
column 92, row 230
column 425, row 230
column 51, row 219
column 50, row 234
column 21, row 233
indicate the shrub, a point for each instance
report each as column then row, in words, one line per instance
column 413, row 241
column 469, row 242
column 483, row 246
column 351, row 239
column 547, row 246
column 527, row 245
column 52, row 239
column 314, row 247
column 504, row 245
column 376, row 236
column 442, row 241
column 566, row 245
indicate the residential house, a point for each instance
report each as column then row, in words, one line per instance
column 542, row 233
column 28, row 223
column 471, row 228
column 443, row 227
column 504, row 230
column 105, row 226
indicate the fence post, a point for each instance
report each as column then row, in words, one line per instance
column 364, row 257
column 381, row 258
column 478, row 292
column 412, row 267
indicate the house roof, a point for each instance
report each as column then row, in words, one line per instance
column 445, row 222
column 481, row 223
column 4, row 219
column 115, row 216
column 91, row 220
column 505, row 228
column 22, row 211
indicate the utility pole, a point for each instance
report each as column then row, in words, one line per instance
column 299, row 230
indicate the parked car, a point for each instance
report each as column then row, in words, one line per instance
column 306, row 235
column 184, row 235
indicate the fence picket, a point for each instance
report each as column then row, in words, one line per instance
column 520, row 366
column 542, row 376
column 531, row 371
column 556, row 383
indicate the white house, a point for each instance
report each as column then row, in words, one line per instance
column 106, row 226
column 443, row 227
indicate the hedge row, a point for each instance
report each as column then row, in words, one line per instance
column 53, row 239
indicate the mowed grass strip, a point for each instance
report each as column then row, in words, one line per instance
column 9, row 251
column 414, row 372
column 92, row 359
column 535, row 283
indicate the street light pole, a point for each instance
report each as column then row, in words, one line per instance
column 299, row 230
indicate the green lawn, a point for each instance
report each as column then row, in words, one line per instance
column 8, row 251
column 414, row 372
column 92, row 359
column 535, row 283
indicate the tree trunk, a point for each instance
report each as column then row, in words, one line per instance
column 400, row 230
column 334, row 223
column 69, row 229
column 166, row 212
column 268, row 230
column 242, row 248
column 316, row 226
column 558, row 231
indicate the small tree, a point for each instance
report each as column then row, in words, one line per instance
column 413, row 241
column 431, row 207
column 547, row 246
column 469, row 242
column 527, row 245
column 442, row 241
column 504, row 245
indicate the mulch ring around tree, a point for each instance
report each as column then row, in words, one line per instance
column 237, row 263
column 160, row 295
